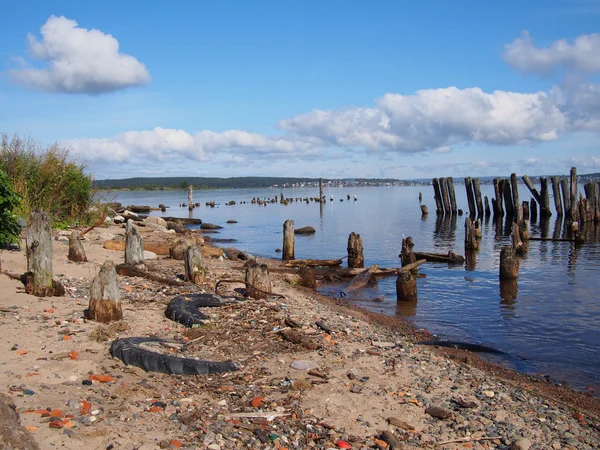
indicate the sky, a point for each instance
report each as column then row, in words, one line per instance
column 306, row 88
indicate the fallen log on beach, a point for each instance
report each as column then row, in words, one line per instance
column 313, row 262
column 363, row 279
column 130, row 271
column 450, row 257
column 380, row 272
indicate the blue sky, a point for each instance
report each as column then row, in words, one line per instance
column 306, row 88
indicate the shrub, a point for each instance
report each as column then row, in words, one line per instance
column 46, row 180
column 10, row 230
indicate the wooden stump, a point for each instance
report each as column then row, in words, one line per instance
column 509, row 263
column 498, row 210
column 445, row 195
column 105, row 303
column 486, row 206
column 258, row 281
column 556, row 194
column 288, row 240
column 407, row 256
column 452, row 194
column 134, row 246
column 515, row 197
column 194, row 266
column 355, row 251
column 545, row 197
column 470, row 196
column 424, row 211
column 437, row 194
column 508, row 200
column 525, row 210
column 76, row 251
column 406, row 287
column 472, row 234
column 39, row 255
column 307, row 277
column 533, row 209
column 516, row 238
column 477, row 192
column 190, row 197
column 573, row 195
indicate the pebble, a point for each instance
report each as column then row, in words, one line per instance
column 303, row 364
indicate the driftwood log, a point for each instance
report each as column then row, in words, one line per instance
column 288, row 240
column 313, row 262
column 39, row 255
column 258, row 280
column 76, row 251
column 105, row 302
column 380, row 272
column 363, row 279
column 450, row 257
column 355, row 251
column 130, row 271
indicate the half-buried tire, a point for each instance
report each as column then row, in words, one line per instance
column 129, row 351
column 184, row 308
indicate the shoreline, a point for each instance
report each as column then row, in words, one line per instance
column 393, row 377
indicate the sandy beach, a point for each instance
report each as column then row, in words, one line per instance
column 363, row 380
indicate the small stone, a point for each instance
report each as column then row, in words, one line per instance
column 488, row 394
column 383, row 344
column 303, row 364
column 439, row 412
column 520, row 444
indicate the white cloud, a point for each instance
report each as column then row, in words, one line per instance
column 435, row 118
column 583, row 55
column 78, row 60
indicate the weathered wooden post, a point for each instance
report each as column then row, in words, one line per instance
column 478, row 201
column 452, row 194
column 438, row 196
column 258, row 280
column 486, row 205
column 39, row 255
column 544, row 196
column 472, row 234
column 525, row 210
column 508, row 291
column 194, row 265
column 573, row 194
column 515, row 197
column 288, row 240
column 509, row 263
column 134, row 246
column 321, row 190
column 407, row 256
column 556, row 194
column 566, row 196
column 533, row 212
column 470, row 196
column 190, row 197
column 497, row 202
column 406, row 286
column 445, row 196
column 516, row 238
column 76, row 251
column 105, row 302
column 420, row 197
column 355, row 251
column 424, row 211
column 508, row 202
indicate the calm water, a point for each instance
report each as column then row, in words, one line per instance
column 548, row 321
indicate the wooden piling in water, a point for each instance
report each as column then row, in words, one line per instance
column 533, row 210
column 556, row 194
column 288, row 240
column 470, row 196
column 592, row 193
column 452, row 193
column 497, row 201
column 472, row 234
column 486, row 206
column 478, row 201
column 320, row 189
column 545, row 207
column 438, row 196
column 424, row 211
column 355, row 251
column 407, row 256
column 515, row 197
column 508, row 202
column 190, row 197
column 573, row 195
column 406, row 287
column 566, row 197
column 509, row 263
column 445, row 196
column 525, row 210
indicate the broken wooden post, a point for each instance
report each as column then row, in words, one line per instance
column 407, row 256
column 508, row 202
column 525, row 210
column 134, row 246
column 420, row 197
column 566, row 197
column 424, row 211
column 445, row 196
column 406, row 286
column 288, row 240
column 472, row 234
column 355, row 251
column 320, row 189
column 470, row 196
column 105, row 302
column 516, row 239
column 194, row 265
column 544, row 203
column 76, row 251
column 39, row 255
column 533, row 209
column 486, row 206
column 515, row 197
column 573, row 195
column 545, row 206
column 307, row 277
column 478, row 201
column 509, row 263
column 452, row 194
column 258, row 280
column 556, row 194
column 190, row 197
column 438, row 196
column 497, row 202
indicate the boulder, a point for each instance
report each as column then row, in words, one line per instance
column 210, row 226
column 305, row 230
column 234, row 254
column 119, row 219
column 131, row 215
column 155, row 220
column 12, row 433
column 149, row 255
column 232, row 221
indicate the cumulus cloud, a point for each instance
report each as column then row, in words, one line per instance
column 583, row 55
column 435, row 118
column 78, row 60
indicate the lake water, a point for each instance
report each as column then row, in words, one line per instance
column 548, row 322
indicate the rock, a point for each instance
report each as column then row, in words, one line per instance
column 155, row 220
column 232, row 221
column 119, row 219
column 439, row 412
column 383, row 344
column 12, row 433
column 521, row 444
column 149, row 255
column 303, row 364
column 210, row 226
column 305, row 230
column 488, row 394
column 131, row 215
column 395, row 422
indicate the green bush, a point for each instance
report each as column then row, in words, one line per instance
column 10, row 230
column 47, row 180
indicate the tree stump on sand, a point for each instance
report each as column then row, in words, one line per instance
column 194, row 266
column 406, row 287
column 39, row 255
column 258, row 281
column 509, row 263
column 76, row 251
column 307, row 277
column 105, row 304
column 288, row 240
column 134, row 246
column 356, row 260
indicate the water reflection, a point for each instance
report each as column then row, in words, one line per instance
column 544, row 226
column 558, row 228
column 444, row 233
column 406, row 309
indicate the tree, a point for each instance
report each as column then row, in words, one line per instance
column 10, row 230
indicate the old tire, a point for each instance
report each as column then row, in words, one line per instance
column 129, row 351
column 184, row 308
